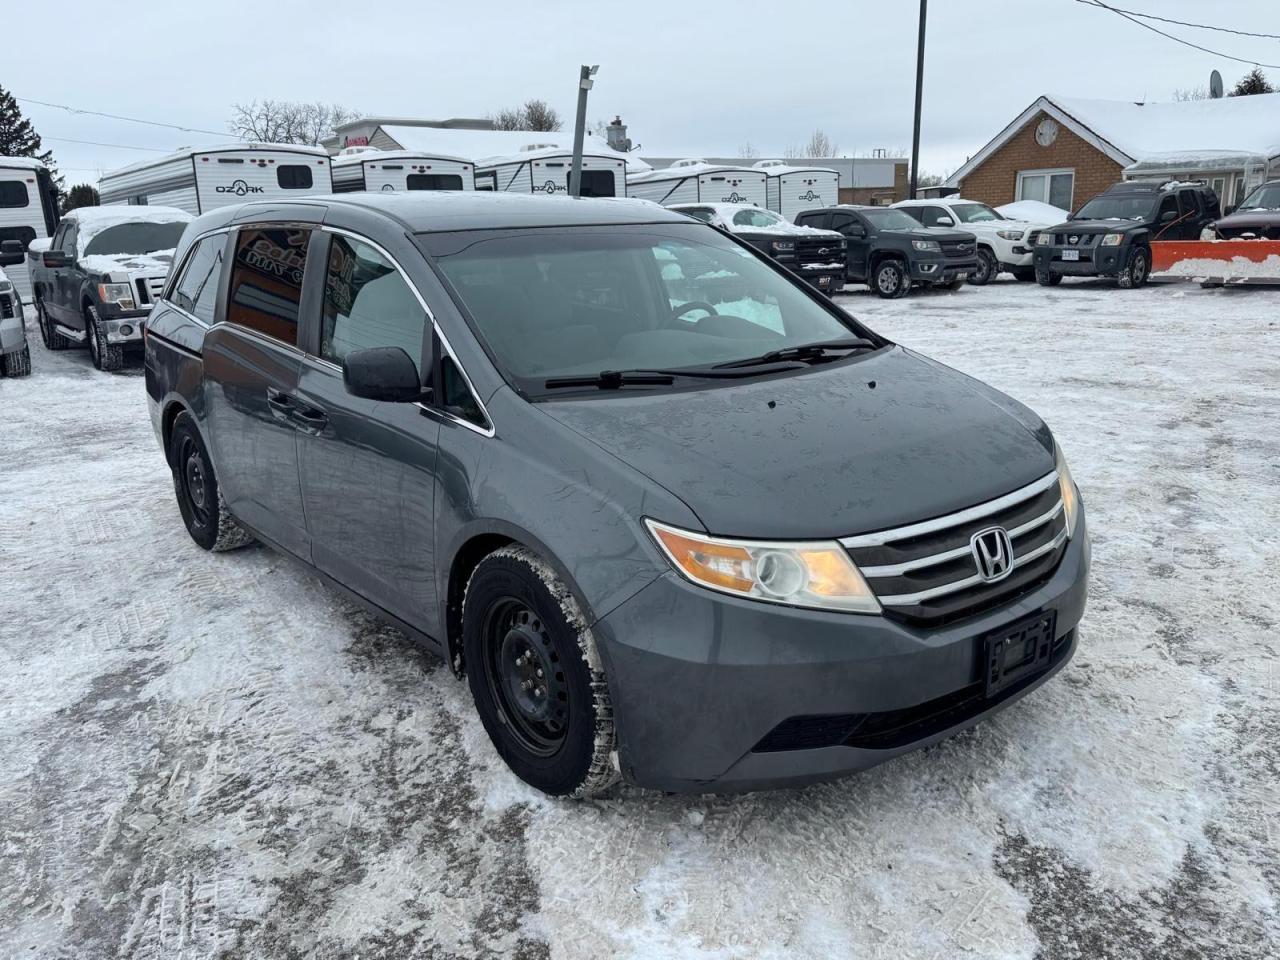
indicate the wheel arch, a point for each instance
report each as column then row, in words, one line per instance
column 169, row 413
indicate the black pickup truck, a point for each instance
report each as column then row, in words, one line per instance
column 97, row 279
column 890, row 252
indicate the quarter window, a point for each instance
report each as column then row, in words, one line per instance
column 68, row 244
column 13, row 193
column 266, row 281
column 457, row 398
column 293, row 176
column 197, row 291
column 367, row 304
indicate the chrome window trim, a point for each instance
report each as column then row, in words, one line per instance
column 882, row 537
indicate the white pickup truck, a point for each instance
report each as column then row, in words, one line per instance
column 1004, row 245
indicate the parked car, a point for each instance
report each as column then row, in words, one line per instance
column 703, row 552
column 1111, row 235
column 891, row 252
column 1004, row 245
column 816, row 255
column 96, row 281
column 1258, row 216
column 15, row 352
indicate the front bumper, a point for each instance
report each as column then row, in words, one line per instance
column 699, row 679
column 13, row 333
column 941, row 269
column 124, row 327
column 1095, row 261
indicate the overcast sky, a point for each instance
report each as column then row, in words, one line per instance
column 690, row 79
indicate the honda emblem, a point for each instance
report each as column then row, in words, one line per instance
column 992, row 553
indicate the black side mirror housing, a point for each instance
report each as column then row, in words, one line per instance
column 55, row 258
column 1168, row 216
column 382, row 373
column 1228, row 210
column 11, row 253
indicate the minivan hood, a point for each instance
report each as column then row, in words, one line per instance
column 888, row 439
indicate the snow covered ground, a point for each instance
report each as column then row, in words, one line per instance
column 206, row 756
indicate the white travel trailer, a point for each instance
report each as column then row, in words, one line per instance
column 790, row 190
column 696, row 181
column 200, row 180
column 28, row 211
column 544, row 169
column 363, row 168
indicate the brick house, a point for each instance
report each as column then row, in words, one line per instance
column 1064, row 151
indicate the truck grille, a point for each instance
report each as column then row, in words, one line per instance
column 819, row 250
column 1083, row 240
column 1031, row 238
column 149, row 289
column 6, row 306
column 958, row 249
column 927, row 573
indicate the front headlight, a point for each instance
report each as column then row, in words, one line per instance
column 118, row 293
column 1113, row 240
column 926, row 245
column 816, row 574
column 1070, row 493
column 1010, row 234
column 1044, row 239
column 5, row 286
column 783, row 246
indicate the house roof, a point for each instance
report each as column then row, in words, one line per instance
column 1131, row 132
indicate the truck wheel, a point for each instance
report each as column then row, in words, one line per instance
column 1137, row 270
column 53, row 340
column 536, row 677
column 105, row 356
column 987, row 268
column 199, row 497
column 1047, row 278
column 890, row 280
column 18, row 363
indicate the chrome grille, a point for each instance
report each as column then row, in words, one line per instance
column 149, row 289
column 927, row 573
column 958, row 248
column 6, row 306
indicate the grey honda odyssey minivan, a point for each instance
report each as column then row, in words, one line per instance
column 674, row 516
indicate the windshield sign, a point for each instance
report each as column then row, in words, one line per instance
column 135, row 238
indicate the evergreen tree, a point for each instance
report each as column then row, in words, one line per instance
column 19, row 139
column 81, row 195
column 1255, row 81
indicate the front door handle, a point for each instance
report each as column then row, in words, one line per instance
column 311, row 419
column 281, row 404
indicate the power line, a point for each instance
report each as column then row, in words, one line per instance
column 115, row 116
column 95, row 143
column 1197, row 26
column 1186, row 43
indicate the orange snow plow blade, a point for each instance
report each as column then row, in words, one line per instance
column 1217, row 261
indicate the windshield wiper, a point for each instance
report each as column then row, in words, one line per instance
column 642, row 377
column 807, row 352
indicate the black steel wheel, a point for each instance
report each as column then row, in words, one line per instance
column 525, row 676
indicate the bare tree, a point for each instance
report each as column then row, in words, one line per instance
column 748, row 151
column 1191, row 93
column 819, row 145
column 531, row 115
column 288, row 121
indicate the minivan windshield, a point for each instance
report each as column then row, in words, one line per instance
column 1132, row 206
column 135, row 238
column 1265, row 197
column 576, row 302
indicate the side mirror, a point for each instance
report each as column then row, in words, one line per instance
column 945, row 222
column 11, row 253
column 1168, row 216
column 55, row 258
column 1228, row 210
column 382, row 373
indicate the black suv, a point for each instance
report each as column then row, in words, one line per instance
column 1111, row 235
column 889, row 251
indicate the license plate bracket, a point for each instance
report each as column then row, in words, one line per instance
column 1019, row 650
column 1070, row 254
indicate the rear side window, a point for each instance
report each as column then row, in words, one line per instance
column 367, row 304
column 1187, row 203
column 433, row 181
column 13, row 193
column 197, row 291
column 266, row 281
column 293, row 176
column 811, row 219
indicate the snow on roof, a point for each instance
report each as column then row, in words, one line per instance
column 1034, row 211
column 371, row 155
column 725, row 213
column 21, row 163
column 1131, row 132
column 94, row 220
column 778, row 168
column 477, row 144
column 220, row 148
column 675, row 171
column 544, row 153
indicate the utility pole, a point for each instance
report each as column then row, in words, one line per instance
column 915, row 135
column 580, row 129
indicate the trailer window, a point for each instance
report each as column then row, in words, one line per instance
column 13, row 193
column 293, row 176
column 595, row 183
column 433, row 181
column 198, row 288
column 266, row 281
column 367, row 304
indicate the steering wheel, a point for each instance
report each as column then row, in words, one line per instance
column 682, row 309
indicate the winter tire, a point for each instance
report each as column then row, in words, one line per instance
column 890, row 280
column 105, row 356
column 18, row 363
column 53, row 340
column 1025, row 274
column 987, row 268
column 1047, row 278
column 1136, row 270
column 200, row 501
column 536, row 676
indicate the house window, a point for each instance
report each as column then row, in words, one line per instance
column 1055, row 187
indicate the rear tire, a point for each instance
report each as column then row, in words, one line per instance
column 200, row 501
column 890, row 280
column 105, row 356
column 53, row 340
column 987, row 268
column 536, row 677
column 1136, row 270
column 18, row 363
column 1047, row 278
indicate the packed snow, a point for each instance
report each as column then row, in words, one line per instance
column 216, row 756
column 1034, row 211
column 157, row 262
column 91, row 221
column 1226, row 268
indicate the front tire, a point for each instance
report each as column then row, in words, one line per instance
column 1136, row 270
column 105, row 356
column 1047, row 278
column 890, row 280
column 200, row 501
column 18, row 363
column 987, row 268
column 536, row 676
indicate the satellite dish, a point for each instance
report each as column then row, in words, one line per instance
column 1215, row 85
